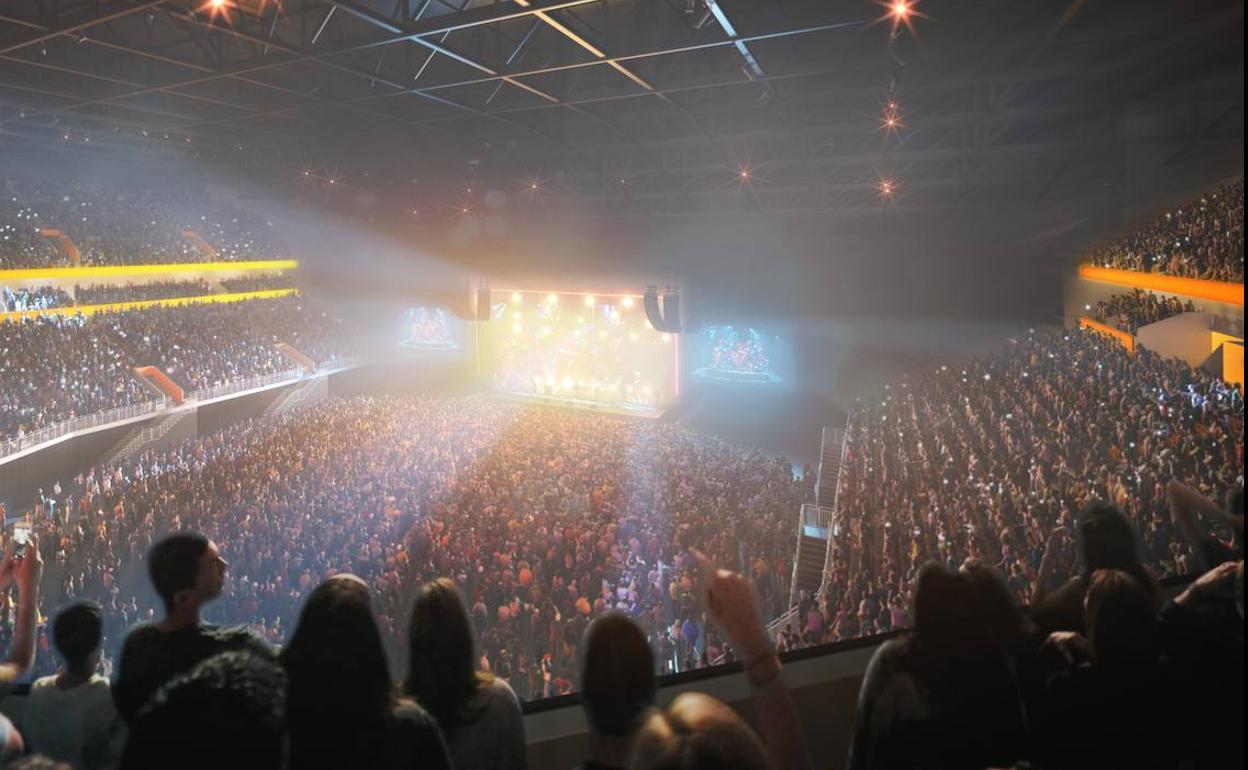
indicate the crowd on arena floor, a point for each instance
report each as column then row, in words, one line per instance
column 57, row 367
column 1203, row 238
column 1101, row 673
column 1128, row 312
column 125, row 224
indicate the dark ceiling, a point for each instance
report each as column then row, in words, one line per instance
column 634, row 108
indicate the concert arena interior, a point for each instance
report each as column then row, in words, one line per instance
column 648, row 384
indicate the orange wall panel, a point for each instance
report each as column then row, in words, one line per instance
column 1126, row 340
column 1215, row 291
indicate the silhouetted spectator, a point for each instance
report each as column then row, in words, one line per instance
column 1106, row 541
column 228, row 711
column 70, row 716
column 342, row 710
column 1116, row 703
column 478, row 712
column 945, row 695
column 187, row 572
column 697, row 732
column 617, row 687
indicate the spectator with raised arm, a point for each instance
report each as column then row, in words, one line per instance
column 24, row 571
column 1106, row 541
column 732, row 603
column 1209, row 550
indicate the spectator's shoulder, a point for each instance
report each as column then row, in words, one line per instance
column 241, row 638
column 140, row 635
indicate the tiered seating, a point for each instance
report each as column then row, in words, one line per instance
column 986, row 458
column 120, row 224
column 58, row 367
column 1202, row 238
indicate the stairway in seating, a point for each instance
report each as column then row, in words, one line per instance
column 831, row 455
column 808, row 571
column 140, row 438
column 812, row 551
column 293, row 397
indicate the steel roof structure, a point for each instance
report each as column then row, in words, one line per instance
column 638, row 108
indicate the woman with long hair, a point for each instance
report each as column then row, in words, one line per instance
column 342, row 708
column 478, row 713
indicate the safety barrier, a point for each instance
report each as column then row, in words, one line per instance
column 82, row 274
column 1119, row 336
column 117, row 307
column 1215, row 291
column 12, row 446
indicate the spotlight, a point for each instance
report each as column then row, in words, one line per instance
column 589, row 302
column 516, row 298
column 628, row 303
column 552, row 298
column 745, row 173
column 887, row 188
column 899, row 12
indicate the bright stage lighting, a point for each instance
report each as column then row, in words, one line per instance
column 516, row 299
column 901, row 10
column 587, row 357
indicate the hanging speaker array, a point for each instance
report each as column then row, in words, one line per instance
column 663, row 312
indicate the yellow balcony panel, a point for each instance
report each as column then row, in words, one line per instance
column 121, row 271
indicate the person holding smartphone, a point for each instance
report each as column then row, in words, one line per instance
column 23, row 570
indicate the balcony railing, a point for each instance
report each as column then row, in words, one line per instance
column 247, row 383
column 12, row 446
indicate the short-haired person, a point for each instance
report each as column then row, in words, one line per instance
column 228, row 711
column 617, row 688
column 24, row 572
column 341, row 705
column 479, row 714
column 187, row 572
column 70, row 716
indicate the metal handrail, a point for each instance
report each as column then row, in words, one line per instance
column 247, row 383
column 15, row 444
